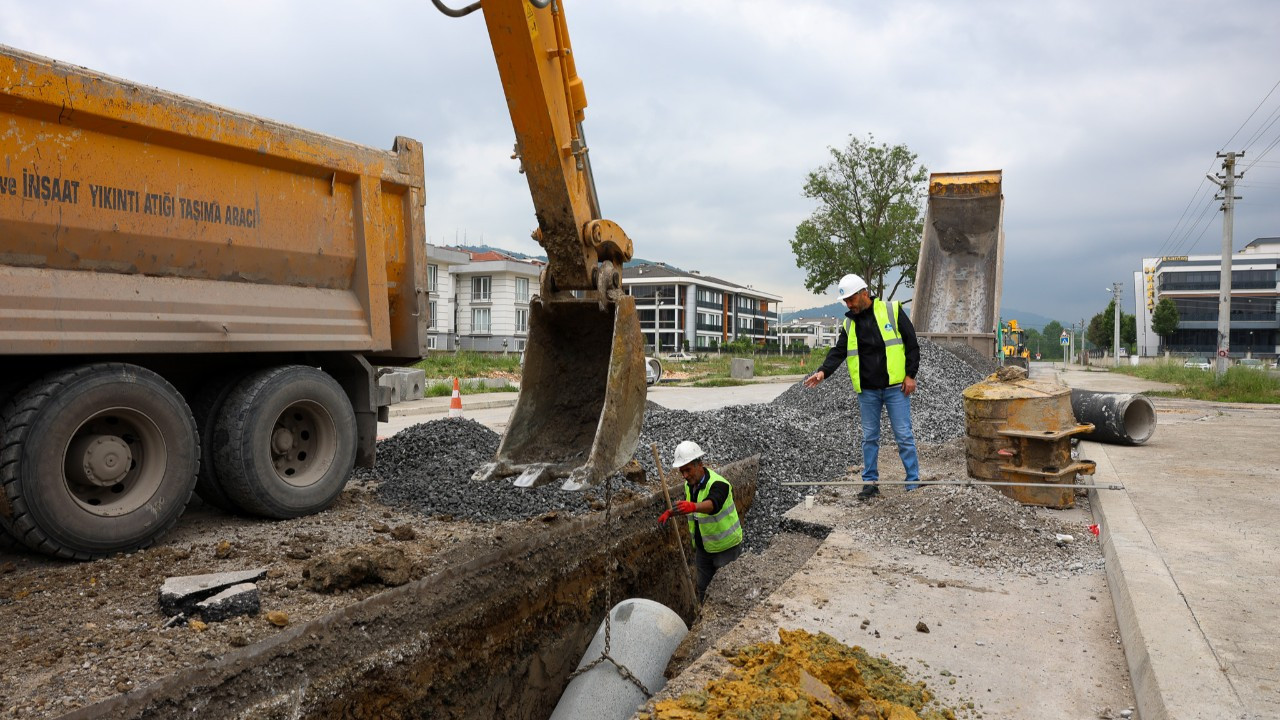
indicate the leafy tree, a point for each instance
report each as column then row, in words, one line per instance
column 1052, row 348
column 1164, row 321
column 1102, row 328
column 868, row 219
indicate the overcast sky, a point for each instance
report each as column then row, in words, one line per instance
column 706, row 115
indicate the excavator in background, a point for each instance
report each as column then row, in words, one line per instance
column 582, row 389
column 1013, row 346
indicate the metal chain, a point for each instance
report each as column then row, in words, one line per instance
column 608, row 604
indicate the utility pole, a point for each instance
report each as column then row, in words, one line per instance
column 1228, row 185
column 1116, row 290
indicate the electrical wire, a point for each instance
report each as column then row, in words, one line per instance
column 1246, row 120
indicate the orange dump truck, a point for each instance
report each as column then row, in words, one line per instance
column 191, row 298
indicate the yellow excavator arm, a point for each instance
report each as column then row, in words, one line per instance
column 582, row 389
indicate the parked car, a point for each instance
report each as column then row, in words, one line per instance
column 682, row 356
column 652, row 371
column 1254, row 363
column 1198, row 363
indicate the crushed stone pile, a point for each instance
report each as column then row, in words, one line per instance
column 978, row 527
column 810, row 433
column 427, row 468
column 805, row 433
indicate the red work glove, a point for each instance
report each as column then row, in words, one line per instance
column 684, row 507
column 664, row 517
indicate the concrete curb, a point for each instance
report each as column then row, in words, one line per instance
column 1174, row 671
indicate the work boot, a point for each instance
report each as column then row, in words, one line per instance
column 867, row 492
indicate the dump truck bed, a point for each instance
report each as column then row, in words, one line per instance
column 958, row 279
column 134, row 220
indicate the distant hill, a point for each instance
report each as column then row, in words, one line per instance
column 1025, row 319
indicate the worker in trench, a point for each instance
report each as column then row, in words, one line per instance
column 714, row 526
column 879, row 344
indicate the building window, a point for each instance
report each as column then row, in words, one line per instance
column 522, row 290
column 520, row 345
column 431, row 342
column 481, row 288
column 433, row 277
column 431, row 314
column 480, row 321
column 522, row 321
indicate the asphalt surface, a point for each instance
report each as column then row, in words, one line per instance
column 1190, row 544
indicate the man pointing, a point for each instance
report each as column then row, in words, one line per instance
column 879, row 345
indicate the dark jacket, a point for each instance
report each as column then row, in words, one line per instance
column 871, row 359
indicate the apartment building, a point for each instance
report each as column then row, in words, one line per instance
column 440, row 289
column 679, row 309
column 1192, row 282
column 813, row 332
column 492, row 292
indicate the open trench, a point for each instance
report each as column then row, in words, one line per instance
column 497, row 636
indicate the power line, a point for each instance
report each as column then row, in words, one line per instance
column 1246, row 120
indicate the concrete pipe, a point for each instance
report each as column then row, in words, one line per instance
column 1119, row 418
column 644, row 635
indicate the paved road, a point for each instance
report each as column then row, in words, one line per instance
column 493, row 410
column 1191, row 548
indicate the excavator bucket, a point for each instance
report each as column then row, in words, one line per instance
column 582, row 395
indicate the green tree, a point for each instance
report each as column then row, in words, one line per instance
column 868, row 219
column 1053, row 348
column 1165, row 319
column 1102, row 328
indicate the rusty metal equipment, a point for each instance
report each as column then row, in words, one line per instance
column 1019, row 431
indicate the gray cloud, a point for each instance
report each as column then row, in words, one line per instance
column 705, row 116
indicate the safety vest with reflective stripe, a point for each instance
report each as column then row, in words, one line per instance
column 720, row 531
column 895, row 354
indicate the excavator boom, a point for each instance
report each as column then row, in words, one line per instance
column 582, row 388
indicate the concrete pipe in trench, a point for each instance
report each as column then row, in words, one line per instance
column 643, row 635
column 1119, row 418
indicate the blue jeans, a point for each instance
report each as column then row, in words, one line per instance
column 870, row 403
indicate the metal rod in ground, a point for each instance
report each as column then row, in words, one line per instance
column 662, row 480
column 958, row 482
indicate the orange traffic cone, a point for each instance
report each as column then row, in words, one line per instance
column 455, row 404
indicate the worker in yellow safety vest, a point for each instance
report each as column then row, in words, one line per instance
column 714, row 527
column 878, row 343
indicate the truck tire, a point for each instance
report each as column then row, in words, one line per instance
column 97, row 459
column 206, row 405
column 290, row 442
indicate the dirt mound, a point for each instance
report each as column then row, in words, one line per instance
column 806, row 676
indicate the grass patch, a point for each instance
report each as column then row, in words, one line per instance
column 446, row 389
column 719, row 382
column 467, row 364
column 1239, row 384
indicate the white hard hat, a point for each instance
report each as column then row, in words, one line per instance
column 686, row 452
column 850, row 285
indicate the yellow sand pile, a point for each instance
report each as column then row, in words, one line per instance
column 802, row 677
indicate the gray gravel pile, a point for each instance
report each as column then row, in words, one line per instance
column 937, row 407
column 978, row 527
column 427, row 468
column 803, row 434
column 982, row 364
column 809, row 433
